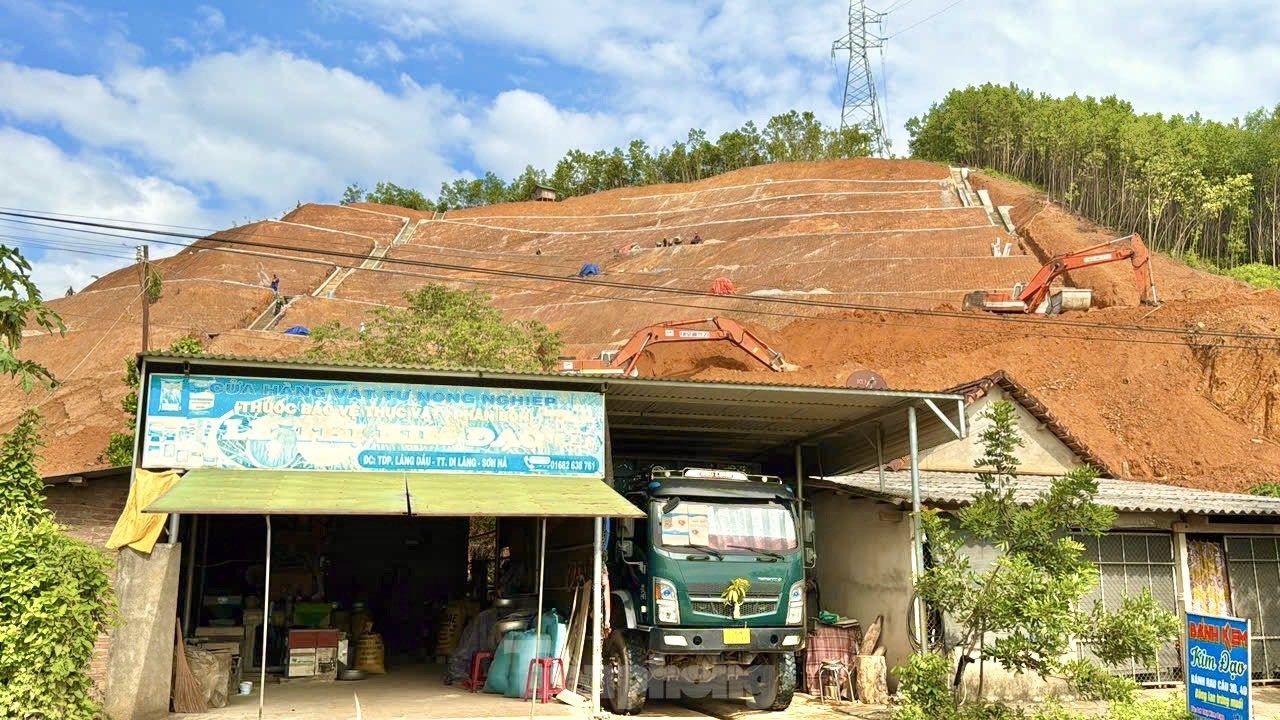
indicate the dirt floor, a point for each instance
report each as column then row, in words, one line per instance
column 840, row 265
column 410, row 694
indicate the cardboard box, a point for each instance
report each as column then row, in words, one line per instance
column 327, row 661
column 302, row 662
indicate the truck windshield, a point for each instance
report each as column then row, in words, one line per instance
column 728, row 527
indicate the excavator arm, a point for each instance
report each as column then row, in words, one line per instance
column 725, row 330
column 1035, row 292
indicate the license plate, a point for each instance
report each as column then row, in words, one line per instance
column 737, row 636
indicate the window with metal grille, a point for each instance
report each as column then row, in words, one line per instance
column 1127, row 563
column 1253, row 570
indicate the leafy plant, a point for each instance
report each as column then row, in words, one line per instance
column 155, row 285
column 1267, row 489
column 735, row 593
column 54, row 594
column 119, row 450
column 1024, row 611
column 20, row 305
column 923, row 689
column 441, row 327
column 1172, row 707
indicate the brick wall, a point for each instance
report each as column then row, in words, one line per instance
column 89, row 512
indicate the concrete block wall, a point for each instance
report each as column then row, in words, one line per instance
column 89, row 512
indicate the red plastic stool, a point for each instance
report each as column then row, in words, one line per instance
column 546, row 669
column 479, row 671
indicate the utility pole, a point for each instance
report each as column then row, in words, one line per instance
column 861, row 108
column 144, row 277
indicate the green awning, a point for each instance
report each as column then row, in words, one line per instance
column 285, row 492
column 515, row 496
column 319, row 492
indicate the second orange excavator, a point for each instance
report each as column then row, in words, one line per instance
column 1033, row 297
column 726, row 330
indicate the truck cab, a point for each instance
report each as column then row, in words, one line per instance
column 708, row 591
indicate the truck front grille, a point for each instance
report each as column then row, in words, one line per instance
column 760, row 587
column 752, row 607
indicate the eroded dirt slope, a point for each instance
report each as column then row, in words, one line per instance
column 1153, row 392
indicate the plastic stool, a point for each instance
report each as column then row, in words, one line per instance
column 479, row 671
column 833, row 681
column 544, row 669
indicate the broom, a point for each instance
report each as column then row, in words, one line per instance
column 188, row 697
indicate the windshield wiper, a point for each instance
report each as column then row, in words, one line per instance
column 767, row 553
column 708, row 550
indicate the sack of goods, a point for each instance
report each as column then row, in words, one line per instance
column 370, row 654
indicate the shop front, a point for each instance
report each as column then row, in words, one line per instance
column 427, row 531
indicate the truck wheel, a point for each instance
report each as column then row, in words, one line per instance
column 777, row 676
column 626, row 677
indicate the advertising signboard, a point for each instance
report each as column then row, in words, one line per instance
column 259, row 423
column 1218, row 667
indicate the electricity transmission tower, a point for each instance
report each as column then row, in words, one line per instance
column 861, row 107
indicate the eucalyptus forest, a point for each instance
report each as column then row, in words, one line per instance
column 1203, row 190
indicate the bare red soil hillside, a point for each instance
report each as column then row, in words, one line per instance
column 878, row 245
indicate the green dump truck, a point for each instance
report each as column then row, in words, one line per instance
column 707, row 592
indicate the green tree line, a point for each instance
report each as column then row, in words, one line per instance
column 1192, row 187
column 791, row 136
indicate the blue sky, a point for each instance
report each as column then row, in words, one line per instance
column 209, row 115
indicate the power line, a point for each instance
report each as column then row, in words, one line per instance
column 687, row 292
column 925, row 20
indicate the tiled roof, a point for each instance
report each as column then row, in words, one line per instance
column 980, row 387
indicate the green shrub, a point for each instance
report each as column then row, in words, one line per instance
column 54, row 595
column 1267, row 489
column 924, row 685
column 1172, row 707
column 1256, row 274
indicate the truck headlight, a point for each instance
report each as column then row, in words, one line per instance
column 666, row 600
column 795, row 603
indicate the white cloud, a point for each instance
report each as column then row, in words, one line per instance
column 523, row 128
column 209, row 20
column 384, row 51
column 1222, row 61
column 259, row 127
column 666, row 66
column 38, row 175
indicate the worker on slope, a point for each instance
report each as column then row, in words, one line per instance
column 275, row 285
column 697, row 239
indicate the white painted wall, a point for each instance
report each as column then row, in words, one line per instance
column 1041, row 454
column 864, row 566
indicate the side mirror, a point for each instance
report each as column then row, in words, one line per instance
column 626, row 528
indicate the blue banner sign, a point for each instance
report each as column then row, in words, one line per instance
column 1218, row 667
column 257, row 423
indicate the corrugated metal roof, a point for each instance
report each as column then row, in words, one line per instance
column 321, row 492
column 676, row 417
column 774, row 381
column 270, row 492
column 946, row 488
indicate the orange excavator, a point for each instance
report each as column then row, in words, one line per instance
column 624, row 361
column 1032, row 297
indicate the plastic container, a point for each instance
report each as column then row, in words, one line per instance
column 311, row 615
column 246, row 687
column 500, row 666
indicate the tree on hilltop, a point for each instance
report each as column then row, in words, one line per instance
column 441, row 327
